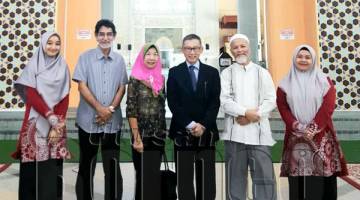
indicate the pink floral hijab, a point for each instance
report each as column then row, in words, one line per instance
column 151, row 77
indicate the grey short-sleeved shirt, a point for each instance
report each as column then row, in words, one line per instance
column 103, row 77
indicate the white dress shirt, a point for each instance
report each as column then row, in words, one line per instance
column 242, row 88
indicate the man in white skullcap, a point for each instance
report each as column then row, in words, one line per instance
column 247, row 98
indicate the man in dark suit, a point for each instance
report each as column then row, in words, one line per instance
column 193, row 91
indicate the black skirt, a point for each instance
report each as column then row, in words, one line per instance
column 312, row 188
column 41, row 180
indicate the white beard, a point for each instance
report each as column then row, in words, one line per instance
column 242, row 59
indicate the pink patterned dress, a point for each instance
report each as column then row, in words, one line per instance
column 31, row 147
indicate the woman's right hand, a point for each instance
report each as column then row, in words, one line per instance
column 138, row 145
column 309, row 135
column 136, row 136
column 60, row 127
column 54, row 136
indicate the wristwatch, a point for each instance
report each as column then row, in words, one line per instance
column 112, row 109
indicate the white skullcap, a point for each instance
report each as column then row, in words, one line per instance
column 239, row 36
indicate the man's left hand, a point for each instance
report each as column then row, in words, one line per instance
column 243, row 121
column 198, row 130
column 252, row 115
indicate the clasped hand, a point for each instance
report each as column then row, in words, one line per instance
column 309, row 134
column 103, row 115
column 57, row 132
column 251, row 116
column 197, row 130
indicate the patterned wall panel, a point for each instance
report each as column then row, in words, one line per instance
column 339, row 47
column 21, row 24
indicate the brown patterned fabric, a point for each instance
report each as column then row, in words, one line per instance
column 148, row 108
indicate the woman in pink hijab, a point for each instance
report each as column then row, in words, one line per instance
column 146, row 114
column 44, row 87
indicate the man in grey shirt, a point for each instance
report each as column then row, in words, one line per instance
column 101, row 77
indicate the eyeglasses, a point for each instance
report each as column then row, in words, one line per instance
column 108, row 34
column 189, row 49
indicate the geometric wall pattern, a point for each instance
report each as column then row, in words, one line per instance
column 21, row 24
column 23, row 21
column 339, row 28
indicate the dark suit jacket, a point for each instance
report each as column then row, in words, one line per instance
column 201, row 106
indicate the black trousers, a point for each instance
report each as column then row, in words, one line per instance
column 41, row 180
column 312, row 188
column 147, row 168
column 110, row 152
column 204, row 161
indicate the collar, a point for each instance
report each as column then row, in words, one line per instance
column 245, row 67
column 196, row 65
column 100, row 55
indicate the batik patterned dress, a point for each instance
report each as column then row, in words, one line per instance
column 149, row 110
column 321, row 156
column 33, row 147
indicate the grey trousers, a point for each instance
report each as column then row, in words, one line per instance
column 239, row 157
